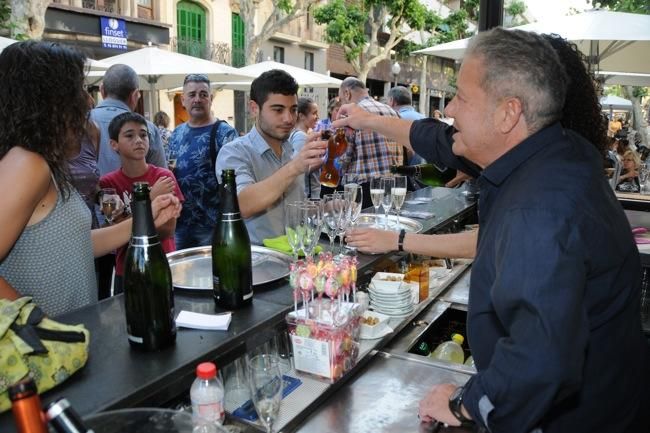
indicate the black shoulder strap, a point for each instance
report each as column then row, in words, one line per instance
column 214, row 146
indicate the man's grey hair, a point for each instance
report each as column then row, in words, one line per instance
column 120, row 81
column 401, row 95
column 351, row 83
column 525, row 66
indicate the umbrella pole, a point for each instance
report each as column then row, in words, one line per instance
column 152, row 80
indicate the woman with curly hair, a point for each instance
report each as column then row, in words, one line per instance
column 46, row 242
column 581, row 112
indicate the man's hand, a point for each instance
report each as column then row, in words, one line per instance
column 372, row 240
column 353, row 116
column 310, row 156
column 435, row 405
column 460, row 178
column 164, row 185
column 165, row 208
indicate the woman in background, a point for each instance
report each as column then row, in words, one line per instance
column 46, row 243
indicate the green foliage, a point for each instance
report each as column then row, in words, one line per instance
column 285, row 5
column 344, row 25
column 471, row 7
column 516, row 8
column 633, row 6
column 346, row 22
column 452, row 28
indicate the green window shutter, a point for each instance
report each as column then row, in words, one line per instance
column 191, row 28
column 238, row 47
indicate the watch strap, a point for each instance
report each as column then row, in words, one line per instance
column 400, row 240
column 455, row 406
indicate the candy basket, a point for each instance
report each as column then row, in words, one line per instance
column 326, row 341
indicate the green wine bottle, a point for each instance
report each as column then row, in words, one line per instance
column 428, row 174
column 148, row 297
column 232, row 266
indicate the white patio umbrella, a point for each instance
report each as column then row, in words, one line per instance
column 624, row 78
column 5, row 42
column 304, row 77
column 615, row 41
column 613, row 102
column 160, row 69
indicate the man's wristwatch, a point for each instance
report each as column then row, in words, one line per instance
column 455, row 406
column 400, row 240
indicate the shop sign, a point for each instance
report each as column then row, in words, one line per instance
column 113, row 33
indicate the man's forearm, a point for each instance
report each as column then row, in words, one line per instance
column 7, row 291
column 391, row 127
column 259, row 196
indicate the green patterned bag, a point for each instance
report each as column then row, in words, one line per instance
column 30, row 343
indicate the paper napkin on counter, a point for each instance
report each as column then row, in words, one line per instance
column 416, row 214
column 419, row 200
column 213, row 322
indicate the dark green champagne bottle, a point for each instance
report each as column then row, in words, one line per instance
column 232, row 266
column 148, row 297
column 428, row 174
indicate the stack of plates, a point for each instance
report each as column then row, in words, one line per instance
column 391, row 303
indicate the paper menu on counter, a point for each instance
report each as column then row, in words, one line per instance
column 212, row 322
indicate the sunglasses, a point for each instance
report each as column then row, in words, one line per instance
column 196, row 78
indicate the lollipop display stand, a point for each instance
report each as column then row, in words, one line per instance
column 325, row 331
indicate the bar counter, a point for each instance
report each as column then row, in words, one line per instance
column 117, row 376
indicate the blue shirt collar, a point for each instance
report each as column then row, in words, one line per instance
column 500, row 169
column 110, row 102
column 261, row 146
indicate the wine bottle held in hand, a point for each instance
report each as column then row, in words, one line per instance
column 232, row 265
column 428, row 174
column 148, row 297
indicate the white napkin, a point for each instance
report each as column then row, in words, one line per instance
column 213, row 322
column 419, row 200
column 416, row 214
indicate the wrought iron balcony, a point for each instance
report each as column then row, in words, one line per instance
column 102, row 5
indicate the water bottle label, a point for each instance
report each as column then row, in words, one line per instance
column 209, row 412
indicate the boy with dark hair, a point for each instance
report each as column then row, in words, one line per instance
column 129, row 138
column 267, row 175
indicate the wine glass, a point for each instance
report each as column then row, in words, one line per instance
column 311, row 221
column 643, row 178
column 292, row 219
column 356, row 202
column 387, row 185
column 330, row 218
column 399, row 194
column 265, row 380
column 376, row 193
column 342, row 202
column 108, row 202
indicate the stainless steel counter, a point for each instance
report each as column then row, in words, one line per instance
column 384, row 397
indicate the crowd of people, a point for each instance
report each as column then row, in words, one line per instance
column 555, row 283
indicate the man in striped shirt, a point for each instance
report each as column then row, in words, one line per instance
column 369, row 153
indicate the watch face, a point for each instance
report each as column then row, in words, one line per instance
column 457, row 392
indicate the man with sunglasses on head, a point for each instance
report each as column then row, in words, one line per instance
column 194, row 145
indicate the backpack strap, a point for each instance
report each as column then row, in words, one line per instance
column 214, row 146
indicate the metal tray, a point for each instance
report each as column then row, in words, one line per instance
column 377, row 220
column 192, row 267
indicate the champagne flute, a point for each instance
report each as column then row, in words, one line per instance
column 387, row 185
column 330, row 218
column 265, row 380
column 311, row 220
column 376, row 193
column 292, row 227
column 108, row 203
column 356, row 202
column 643, row 178
column 399, row 194
column 342, row 200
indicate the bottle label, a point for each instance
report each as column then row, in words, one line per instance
column 208, row 412
column 144, row 241
column 230, row 216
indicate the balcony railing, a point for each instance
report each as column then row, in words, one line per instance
column 102, row 5
column 215, row 51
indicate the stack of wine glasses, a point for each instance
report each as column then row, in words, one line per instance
column 302, row 225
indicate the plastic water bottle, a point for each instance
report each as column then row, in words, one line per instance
column 469, row 362
column 451, row 351
column 207, row 396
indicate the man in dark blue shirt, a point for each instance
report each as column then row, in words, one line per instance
column 553, row 317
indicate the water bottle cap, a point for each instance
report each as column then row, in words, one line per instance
column 206, row 370
column 458, row 338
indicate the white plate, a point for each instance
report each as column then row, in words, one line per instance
column 392, row 311
column 403, row 289
column 393, row 306
column 396, row 316
column 379, row 333
column 387, row 298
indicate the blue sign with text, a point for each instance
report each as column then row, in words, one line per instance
column 113, row 33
